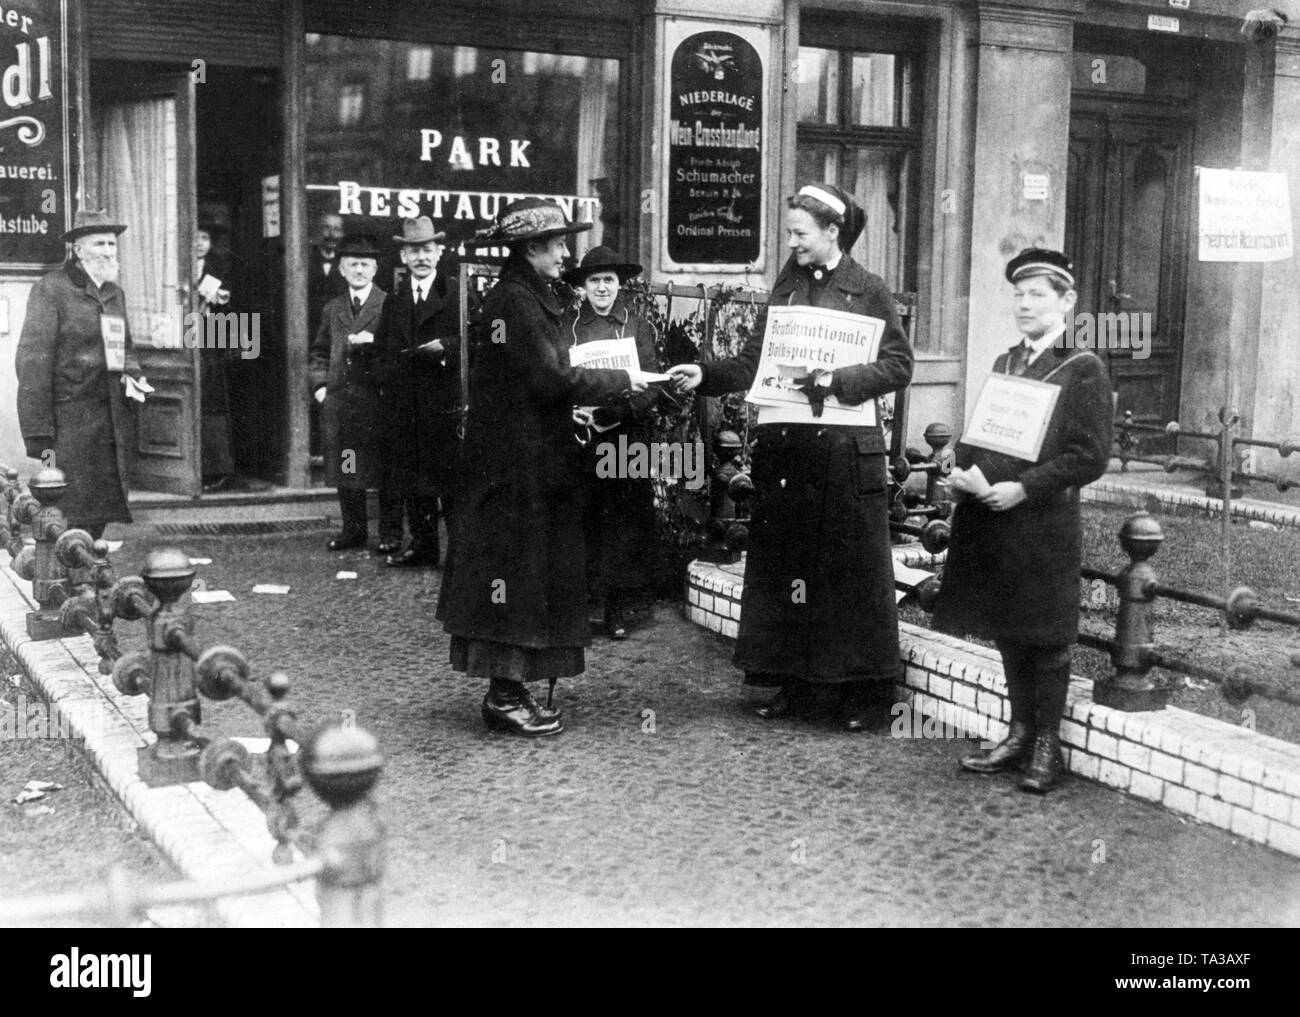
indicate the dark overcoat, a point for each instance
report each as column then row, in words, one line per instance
column 68, row 400
column 818, row 599
column 352, row 415
column 421, row 389
column 618, row 516
column 1014, row 575
column 214, row 381
column 322, row 287
column 516, row 574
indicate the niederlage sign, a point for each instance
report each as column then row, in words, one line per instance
column 1244, row 216
column 714, row 134
column 1011, row 416
column 799, row 343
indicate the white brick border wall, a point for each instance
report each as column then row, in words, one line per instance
column 1217, row 773
column 206, row 834
column 1180, row 499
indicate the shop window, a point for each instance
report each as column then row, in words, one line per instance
column 859, row 115
column 453, row 132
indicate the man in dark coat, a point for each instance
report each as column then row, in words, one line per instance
column 324, row 283
column 419, row 346
column 618, row 515
column 212, row 290
column 818, row 604
column 514, row 592
column 1012, row 573
column 345, row 380
column 74, row 357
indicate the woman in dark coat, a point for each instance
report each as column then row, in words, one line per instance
column 345, row 379
column 818, row 605
column 70, row 399
column 1012, row 573
column 514, row 592
column 618, row 516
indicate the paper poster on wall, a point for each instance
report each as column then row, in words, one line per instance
column 271, row 206
column 1244, row 216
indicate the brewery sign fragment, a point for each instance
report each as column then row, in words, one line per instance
column 35, row 133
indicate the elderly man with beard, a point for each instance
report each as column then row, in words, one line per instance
column 75, row 368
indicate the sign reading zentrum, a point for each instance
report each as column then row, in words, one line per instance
column 34, row 134
column 715, row 151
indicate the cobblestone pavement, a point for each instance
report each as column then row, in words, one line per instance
column 698, row 813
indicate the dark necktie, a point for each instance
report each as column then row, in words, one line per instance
column 1019, row 362
column 356, row 306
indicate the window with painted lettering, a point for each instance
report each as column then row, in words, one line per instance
column 400, row 129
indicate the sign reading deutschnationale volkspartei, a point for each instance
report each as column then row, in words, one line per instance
column 715, row 151
column 35, row 142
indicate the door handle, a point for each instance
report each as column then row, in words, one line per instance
column 1115, row 294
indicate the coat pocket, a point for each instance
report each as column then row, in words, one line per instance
column 869, row 467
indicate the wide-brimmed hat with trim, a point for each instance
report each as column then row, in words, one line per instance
column 93, row 221
column 420, row 231
column 358, row 245
column 1034, row 261
column 530, row 219
column 602, row 259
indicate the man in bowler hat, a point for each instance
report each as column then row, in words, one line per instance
column 345, row 382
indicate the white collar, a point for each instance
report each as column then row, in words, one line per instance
column 421, row 287
column 1045, row 341
column 362, row 295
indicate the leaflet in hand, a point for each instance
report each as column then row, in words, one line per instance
column 975, row 479
column 800, row 340
column 209, row 287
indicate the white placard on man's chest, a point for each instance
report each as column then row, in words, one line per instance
column 112, row 328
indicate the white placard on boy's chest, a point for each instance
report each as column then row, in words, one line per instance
column 1011, row 416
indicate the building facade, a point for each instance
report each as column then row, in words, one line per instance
column 967, row 130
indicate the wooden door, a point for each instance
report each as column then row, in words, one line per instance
column 144, row 141
column 1127, row 233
